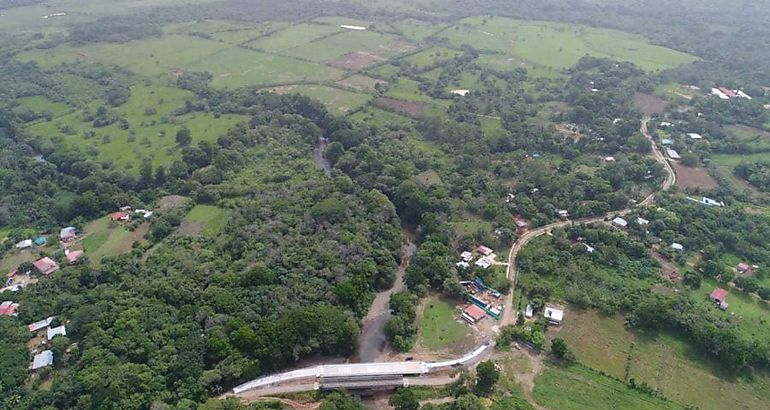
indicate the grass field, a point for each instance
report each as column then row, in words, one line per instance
column 432, row 56
column 204, row 220
column 732, row 160
column 346, row 42
column 663, row 360
column 559, row 45
column 42, row 104
column 338, row 101
column 294, row 36
column 752, row 314
column 417, row 30
column 576, row 387
column 439, row 326
column 103, row 238
column 149, row 135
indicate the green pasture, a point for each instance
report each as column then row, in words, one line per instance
column 237, row 37
column 294, row 36
column 359, row 82
column 42, row 104
column 407, row 89
column 150, row 135
column 439, row 326
column 339, row 20
column 384, row 71
column 338, row 101
column 751, row 313
column 377, row 116
column 206, row 26
column 329, row 48
column 557, row 45
column 732, row 160
column 102, row 237
column 417, row 30
column 432, row 56
column 577, row 387
column 207, row 219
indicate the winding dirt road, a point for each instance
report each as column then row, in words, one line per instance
column 508, row 315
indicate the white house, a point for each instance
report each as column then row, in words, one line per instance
column 694, row 136
column 562, row 213
column 719, row 93
column 461, row 93
column 528, row 312
column 620, row 222
column 483, row 263
column 56, row 331
column 349, row 27
column 553, row 315
column 672, row 154
column 741, row 94
column 642, row 221
column 466, row 256
column 677, row 247
column 25, row 244
column 589, row 248
column 462, row 265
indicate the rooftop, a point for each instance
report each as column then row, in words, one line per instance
column 475, row 312
column 56, row 331
column 42, row 359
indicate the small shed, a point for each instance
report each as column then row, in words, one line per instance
column 553, row 314
column 677, row 247
column 463, row 265
column 620, row 222
column 642, row 221
column 25, row 244
column 41, row 240
column 744, row 267
column 474, row 312
column 67, row 234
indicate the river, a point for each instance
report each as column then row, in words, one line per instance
column 318, row 156
column 373, row 344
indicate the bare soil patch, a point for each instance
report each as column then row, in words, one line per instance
column 398, row 47
column 409, row 108
column 170, row 201
column 650, row 104
column 694, row 177
column 355, row 61
column 192, row 228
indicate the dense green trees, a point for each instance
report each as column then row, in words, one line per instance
column 486, row 377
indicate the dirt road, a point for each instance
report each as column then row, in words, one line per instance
column 508, row 315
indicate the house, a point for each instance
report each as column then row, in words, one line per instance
column 741, row 94
column 609, row 159
column 744, row 267
column 461, row 93
column 666, row 141
column 25, row 244
column 74, row 256
column 42, row 359
column 620, row 222
column 355, row 28
column 120, row 216
column 41, row 240
column 528, row 312
column 125, row 208
column 40, row 324
column 484, row 250
column 728, row 92
column 672, row 154
column 473, row 314
column 466, row 256
column 483, row 263
column 719, row 296
column 520, row 222
column 642, row 221
column 719, row 93
column 67, row 234
column 666, row 124
column 589, row 248
column 46, row 265
column 56, row 331
column 562, row 213
column 553, row 314
column 677, row 247
column 694, row 136
column 463, row 265
column 8, row 308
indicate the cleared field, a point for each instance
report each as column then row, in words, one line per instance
column 662, row 360
column 409, row 108
column 206, row 26
column 439, row 327
column 560, row 45
column 333, row 46
column 694, row 177
column 751, row 313
column 576, row 387
column 43, row 104
column 417, row 30
column 336, row 100
column 150, row 57
column 360, row 83
column 406, row 89
column 650, row 104
column 338, row 20
column 237, row 37
column 104, row 238
column 432, row 56
column 294, row 36
column 732, row 160
column 376, row 116
column 150, row 133
column 237, row 67
column 204, row 220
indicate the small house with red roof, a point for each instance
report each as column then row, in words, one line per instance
column 473, row 314
column 46, row 265
column 520, row 222
column 719, row 296
column 484, row 250
column 120, row 216
column 8, row 308
column 74, row 256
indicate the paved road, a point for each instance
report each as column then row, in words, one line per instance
column 508, row 315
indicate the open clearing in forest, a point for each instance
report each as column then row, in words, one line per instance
column 336, row 100
column 650, row 104
column 410, row 108
column 102, row 237
column 439, row 326
column 559, row 45
column 693, row 177
column 665, row 361
column 204, row 220
column 151, row 132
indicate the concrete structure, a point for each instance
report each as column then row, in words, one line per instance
column 562, row 213
column 528, row 312
column 483, row 263
column 719, row 93
column 553, row 314
column 120, row 216
column 354, row 28
column 672, row 154
column 461, row 93
column 677, row 247
column 363, row 374
column 666, row 141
